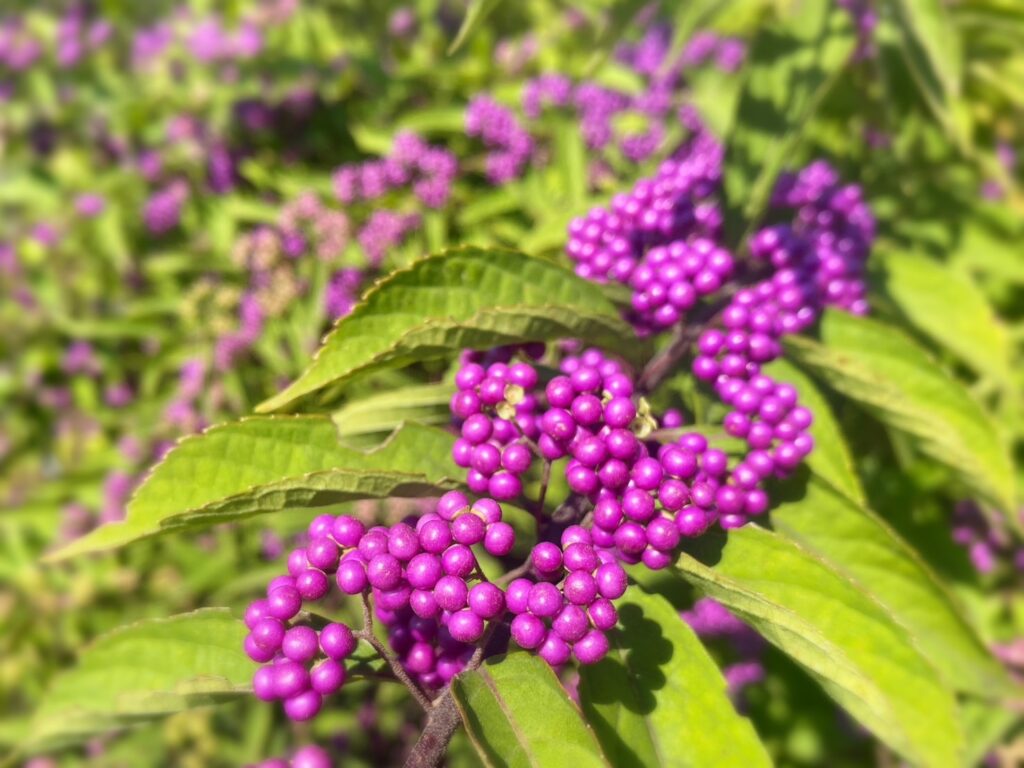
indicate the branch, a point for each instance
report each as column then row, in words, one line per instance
column 444, row 718
column 663, row 364
column 366, row 633
column 441, row 725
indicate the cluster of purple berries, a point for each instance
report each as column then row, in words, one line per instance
column 413, row 162
column 510, row 145
column 496, row 409
column 660, row 237
column 566, row 612
column 421, row 581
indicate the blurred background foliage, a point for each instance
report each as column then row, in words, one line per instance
column 198, row 124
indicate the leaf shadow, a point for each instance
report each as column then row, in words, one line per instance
column 629, row 679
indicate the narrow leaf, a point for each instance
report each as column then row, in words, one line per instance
column 467, row 297
column 879, row 367
column 373, row 415
column 932, row 46
column 792, row 63
column 837, row 632
column 830, row 459
column 659, row 699
column 518, row 714
column 945, row 304
column 145, row 670
column 475, row 15
column 857, row 544
column 266, row 464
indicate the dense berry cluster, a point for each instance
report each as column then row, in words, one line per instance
column 495, row 406
column 660, row 237
column 567, row 610
column 426, row 586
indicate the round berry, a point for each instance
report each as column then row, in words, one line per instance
column 290, row 679
column 351, row 576
column 546, row 557
column 545, row 599
column 337, row 641
column 571, row 624
column 384, row 571
column 284, row 602
column 554, row 650
column 458, row 560
column 435, row 536
column 528, row 631
column 263, row 684
column 300, row 643
column 517, row 595
column 592, row 648
column 486, row 600
column 465, row 626
column 327, row 677
column 347, row 531
column 268, row 633
column 499, row 539
column 450, row 593
column 304, row 706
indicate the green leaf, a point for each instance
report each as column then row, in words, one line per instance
column 831, row 457
column 792, row 64
column 266, row 464
column 985, row 725
column 517, row 714
column 837, row 632
column 477, row 12
column 145, row 670
column 945, row 303
column 424, row 404
column 658, row 698
column 932, row 48
column 857, row 544
column 881, row 368
column 467, row 297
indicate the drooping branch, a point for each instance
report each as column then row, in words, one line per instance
column 366, row 633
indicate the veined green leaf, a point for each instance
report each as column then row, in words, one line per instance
column 658, row 698
column 835, row 630
column 881, row 368
column 424, row 404
column 944, row 303
column 151, row 669
column 467, row 297
column 831, row 457
column 269, row 463
column 857, row 544
column 145, row 670
column 519, row 716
